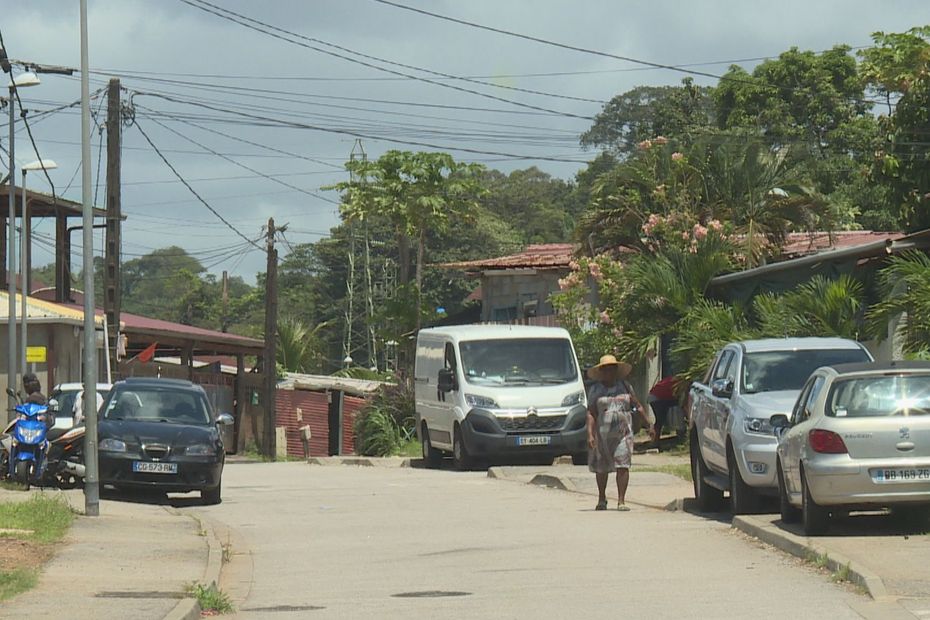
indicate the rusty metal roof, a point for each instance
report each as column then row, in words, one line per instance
column 539, row 256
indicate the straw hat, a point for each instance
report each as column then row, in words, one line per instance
column 609, row 360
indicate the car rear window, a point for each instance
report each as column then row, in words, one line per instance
column 772, row 371
column 158, row 405
column 887, row 395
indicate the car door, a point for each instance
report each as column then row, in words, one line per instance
column 796, row 438
column 719, row 411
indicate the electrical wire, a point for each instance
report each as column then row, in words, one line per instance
column 264, row 28
column 191, row 189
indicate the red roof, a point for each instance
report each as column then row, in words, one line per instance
column 804, row 244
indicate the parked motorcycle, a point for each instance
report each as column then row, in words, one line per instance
column 28, row 450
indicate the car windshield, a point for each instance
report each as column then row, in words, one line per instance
column 158, row 405
column 870, row 397
column 518, row 361
column 771, row 371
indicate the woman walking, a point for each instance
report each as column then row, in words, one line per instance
column 611, row 405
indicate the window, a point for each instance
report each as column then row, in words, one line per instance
column 518, row 361
column 152, row 404
column 504, row 315
column 771, row 371
column 723, row 365
column 808, row 401
column 449, row 363
column 877, row 396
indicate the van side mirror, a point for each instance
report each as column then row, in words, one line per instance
column 722, row 388
column 447, row 382
column 779, row 423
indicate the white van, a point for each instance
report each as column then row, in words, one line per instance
column 499, row 392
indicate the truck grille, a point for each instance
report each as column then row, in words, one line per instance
column 532, row 423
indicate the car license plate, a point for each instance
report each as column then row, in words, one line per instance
column 146, row 467
column 894, row 475
column 534, row 440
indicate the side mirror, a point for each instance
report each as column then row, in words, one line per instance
column 779, row 423
column 224, row 419
column 722, row 388
column 447, row 381
column 54, row 406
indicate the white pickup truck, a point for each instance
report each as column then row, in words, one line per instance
column 732, row 443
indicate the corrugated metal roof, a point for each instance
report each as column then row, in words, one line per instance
column 40, row 311
column 804, row 244
column 539, row 256
column 360, row 387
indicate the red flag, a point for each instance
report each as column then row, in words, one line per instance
column 148, row 353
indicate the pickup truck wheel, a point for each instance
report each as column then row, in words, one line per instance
column 431, row 456
column 743, row 498
column 461, row 460
column 708, row 498
column 789, row 514
column 816, row 518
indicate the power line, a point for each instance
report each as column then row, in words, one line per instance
column 264, row 29
column 191, row 189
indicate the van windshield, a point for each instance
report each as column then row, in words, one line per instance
column 518, row 361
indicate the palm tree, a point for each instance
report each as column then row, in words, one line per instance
column 299, row 347
column 905, row 283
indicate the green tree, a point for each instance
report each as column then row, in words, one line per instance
column 540, row 207
column 905, row 285
column 299, row 347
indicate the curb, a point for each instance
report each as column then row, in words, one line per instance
column 805, row 547
column 189, row 608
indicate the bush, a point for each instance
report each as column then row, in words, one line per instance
column 387, row 422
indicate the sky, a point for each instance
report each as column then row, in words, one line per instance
column 212, row 95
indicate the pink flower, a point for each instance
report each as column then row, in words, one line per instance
column 660, row 140
column 699, row 232
column 595, row 270
column 676, row 156
column 645, row 145
column 715, row 225
column 685, row 235
column 574, row 266
column 605, row 318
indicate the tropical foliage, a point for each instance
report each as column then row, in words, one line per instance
column 387, row 422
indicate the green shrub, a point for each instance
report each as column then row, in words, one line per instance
column 386, row 423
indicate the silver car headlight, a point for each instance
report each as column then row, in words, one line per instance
column 483, row 402
column 759, row 426
column 573, row 399
column 111, row 445
column 200, row 449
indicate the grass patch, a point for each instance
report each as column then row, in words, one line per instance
column 210, row 598
column 819, row 560
column 683, row 470
column 16, row 582
column 411, row 447
column 48, row 518
column 841, row 575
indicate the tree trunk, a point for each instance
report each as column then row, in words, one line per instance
column 421, row 251
column 403, row 250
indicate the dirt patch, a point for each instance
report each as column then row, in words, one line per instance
column 22, row 554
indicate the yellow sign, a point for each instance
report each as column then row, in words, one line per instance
column 36, row 355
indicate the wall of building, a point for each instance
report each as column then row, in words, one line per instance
column 63, row 348
column 507, row 296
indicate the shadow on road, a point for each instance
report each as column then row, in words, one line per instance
column 871, row 524
column 154, row 498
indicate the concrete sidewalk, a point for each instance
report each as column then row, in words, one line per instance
column 133, row 561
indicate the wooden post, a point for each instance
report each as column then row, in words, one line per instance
column 111, row 277
column 62, row 259
column 239, row 402
column 271, row 331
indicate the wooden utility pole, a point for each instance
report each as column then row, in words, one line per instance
column 111, row 275
column 271, row 331
column 224, row 321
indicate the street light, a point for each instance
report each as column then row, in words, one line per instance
column 20, row 81
column 24, row 240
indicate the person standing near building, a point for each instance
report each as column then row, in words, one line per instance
column 662, row 399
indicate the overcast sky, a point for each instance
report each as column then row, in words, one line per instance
column 249, row 80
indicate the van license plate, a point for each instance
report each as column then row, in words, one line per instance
column 145, row 467
column 901, row 474
column 534, row 440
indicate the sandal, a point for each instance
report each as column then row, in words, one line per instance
column 623, row 507
column 602, row 505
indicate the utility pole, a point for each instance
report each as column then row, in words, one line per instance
column 111, row 282
column 92, row 475
column 224, row 320
column 271, row 332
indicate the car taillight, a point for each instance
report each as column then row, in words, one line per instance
column 826, row 442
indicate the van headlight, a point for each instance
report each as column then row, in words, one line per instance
column 759, row 426
column 482, row 402
column 573, row 399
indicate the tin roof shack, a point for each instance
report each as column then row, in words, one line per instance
column 517, row 287
column 327, row 406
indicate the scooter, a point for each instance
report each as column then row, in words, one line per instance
column 29, row 449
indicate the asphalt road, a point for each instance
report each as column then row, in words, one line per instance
column 353, row 542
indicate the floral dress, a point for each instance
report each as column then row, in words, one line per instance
column 613, row 428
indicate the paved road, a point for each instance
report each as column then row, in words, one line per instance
column 347, row 542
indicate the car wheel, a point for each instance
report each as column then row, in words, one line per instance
column 743, row 498
column 22, row 473
column 431, row 456
column 709, row 499
column 816, row 518
column 581, row 458
column 212, row 497
column 461, row 460
column 789, row 514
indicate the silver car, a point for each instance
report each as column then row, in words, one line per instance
column 858, row 438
